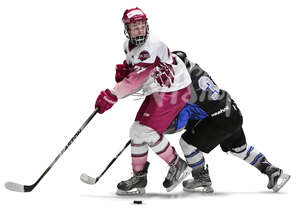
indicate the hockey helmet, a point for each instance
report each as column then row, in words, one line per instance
column 183, row 57
column 131, row 16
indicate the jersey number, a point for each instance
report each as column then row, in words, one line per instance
column 205, row 83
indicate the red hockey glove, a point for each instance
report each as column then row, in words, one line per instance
column 164, row 74
column 105, row 101
column 122, row 71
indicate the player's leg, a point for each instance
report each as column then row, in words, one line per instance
column 161, row 111
column 161, row 146
column 152, row 120
column 195, row 159
column 178, row 167
column 139, row 154
column 204, row 137
column 238, row 147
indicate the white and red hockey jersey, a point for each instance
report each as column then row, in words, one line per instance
column 144, row 61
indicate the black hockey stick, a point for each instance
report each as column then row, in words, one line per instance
column 90, row 180
column 27, row 188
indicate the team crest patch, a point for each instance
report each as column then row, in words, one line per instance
column 144, row 55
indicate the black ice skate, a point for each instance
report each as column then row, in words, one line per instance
column 177, row 172
column 277, row 179
column 200, row 183
column 135, row 185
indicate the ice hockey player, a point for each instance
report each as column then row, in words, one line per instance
column 211, row 118
column 146, row 58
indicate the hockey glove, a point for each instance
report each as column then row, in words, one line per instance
column 164, row 74
column 105, row 101
column 122, row 71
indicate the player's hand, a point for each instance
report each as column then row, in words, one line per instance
column 164, row 74
column 105, row 101
column 122, row 71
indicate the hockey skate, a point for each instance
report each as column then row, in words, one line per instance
column 178, row 171
column 200, row 183
column 135, row 185
column 277, row 179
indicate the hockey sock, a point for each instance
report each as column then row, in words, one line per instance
column 163, row 149
column 252, row 156
column 139, row 155
column 194, row 157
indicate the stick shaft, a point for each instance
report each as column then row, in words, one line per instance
column 113, row 160
column 67, row 146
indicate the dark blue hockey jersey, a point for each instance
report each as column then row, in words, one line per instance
column 206, row 100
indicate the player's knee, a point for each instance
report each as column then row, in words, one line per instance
column 133, row 131
column 186, row 148
column 236, row 143
column 183, row 144
column 141, row 133
column 239, row 151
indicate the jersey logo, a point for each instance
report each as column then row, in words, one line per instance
column 144, row 55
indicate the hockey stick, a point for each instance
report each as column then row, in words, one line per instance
column 27, row 188
column 90, row 180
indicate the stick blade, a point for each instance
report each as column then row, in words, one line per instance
column 15, row 187
column 87, row 179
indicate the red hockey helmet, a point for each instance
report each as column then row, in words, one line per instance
column 131, row 16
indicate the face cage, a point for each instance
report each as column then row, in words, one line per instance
column 139, row 40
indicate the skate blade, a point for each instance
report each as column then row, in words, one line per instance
column 207, row 189
column 282, row 180
column 135, row 191
column 184, row 174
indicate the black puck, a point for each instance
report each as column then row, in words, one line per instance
column 137, row 202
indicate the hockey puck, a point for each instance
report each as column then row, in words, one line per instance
column 137, row 202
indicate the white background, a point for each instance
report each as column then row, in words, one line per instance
column 56, row 56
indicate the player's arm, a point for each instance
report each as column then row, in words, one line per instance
column 129, row 85
column 135, row 79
